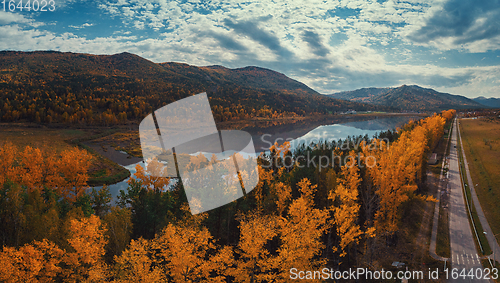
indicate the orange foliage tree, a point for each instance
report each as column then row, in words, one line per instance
column 255, row 263
column 37, row 262
column 300, row 234
column 183, row 252
column 345, row 207
column 400, row 168
column 34, row 169
column 43, row 261
column 85, row 259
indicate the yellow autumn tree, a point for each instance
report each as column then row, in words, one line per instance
column 86, row 259
column 74, row 165
column 37, row 262
column 135, row 264
column 31, row 169
column 265, row 179
column 188, row 253
column 448, row 114
column 283, row 195
column 393, row 177
column 34, row 169
column 398, row 169
column 255, row 263
column 345, row 206
column 7, row 158
column 300, row 234
column 150, row 177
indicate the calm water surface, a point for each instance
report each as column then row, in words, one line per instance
column 305, row 132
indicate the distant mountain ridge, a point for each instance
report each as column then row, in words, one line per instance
column 489, row 102
column 411, row 98
column 362, row 94
column 249, row 77
column 259, row 78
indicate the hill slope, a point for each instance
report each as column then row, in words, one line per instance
column 109, row 89
column 409, row 98
column 360, row 95
column 258, row 78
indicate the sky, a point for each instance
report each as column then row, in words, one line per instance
column 452, row 46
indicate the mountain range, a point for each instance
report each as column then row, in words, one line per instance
column 409, row 97
column 49, row 86
column 490, row 102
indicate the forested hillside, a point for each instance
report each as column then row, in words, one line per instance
column 55, row 87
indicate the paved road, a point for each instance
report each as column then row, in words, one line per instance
column 441, row 189
column 484, row 223
column 463, row 250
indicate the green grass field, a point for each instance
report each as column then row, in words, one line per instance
column 481, row 138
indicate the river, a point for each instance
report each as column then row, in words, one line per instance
column 305, row 132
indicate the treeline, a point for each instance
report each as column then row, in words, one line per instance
column 306, row 217
column 107, row 109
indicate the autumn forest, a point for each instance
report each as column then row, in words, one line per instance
column 84, row 89
column 347, row 215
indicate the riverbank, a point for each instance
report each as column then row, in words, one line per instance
column 114, row 148
column 268, row 122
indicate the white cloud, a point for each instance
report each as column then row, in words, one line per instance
column 7, row 18
column 32, row 39
column 198, row 33
column 81, row 26
column 16, row 18
column 464, row 25
column 485, row 83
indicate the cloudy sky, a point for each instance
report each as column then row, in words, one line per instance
column 452, row 45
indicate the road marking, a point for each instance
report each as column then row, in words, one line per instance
column 458, row 260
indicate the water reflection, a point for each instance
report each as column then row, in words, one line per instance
column 115, row 189
column 331, row 133
column 325, row 130
column 331, row 129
